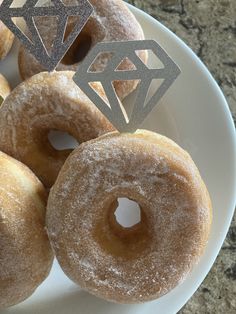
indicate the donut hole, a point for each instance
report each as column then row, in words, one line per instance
column 128, row 213
column 62, row 140
column 123, row 230
column 78, row 49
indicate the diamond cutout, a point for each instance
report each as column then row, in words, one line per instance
column 102, row 59
column 154, row 61
column 36, row 47
column 19, row 23
column 48, row 41
column 123, row 64
column 121, row 50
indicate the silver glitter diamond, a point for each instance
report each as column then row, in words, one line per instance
column 113, row 109
column 35, row 45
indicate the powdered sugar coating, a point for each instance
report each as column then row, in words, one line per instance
column 25, row 253
column 47, row 101
column 144, row 262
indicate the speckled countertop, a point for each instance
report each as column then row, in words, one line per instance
column 209, row 28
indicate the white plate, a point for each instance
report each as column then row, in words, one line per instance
column 195, row 114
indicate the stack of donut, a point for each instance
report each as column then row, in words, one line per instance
column 125, row 265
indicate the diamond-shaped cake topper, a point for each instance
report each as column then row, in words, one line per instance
column 36, row 47
column 113, row 109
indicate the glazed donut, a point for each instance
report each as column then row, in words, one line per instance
column 25, row 255
column 111, row 21
column 6, row 39
column 143, row 262
column 45, row 102
column 4, row 88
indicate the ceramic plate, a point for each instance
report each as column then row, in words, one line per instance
column 194, row 113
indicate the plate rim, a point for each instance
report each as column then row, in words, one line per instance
column 231, row 127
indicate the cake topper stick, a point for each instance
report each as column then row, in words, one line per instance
column 35, row 45
column 113, row 109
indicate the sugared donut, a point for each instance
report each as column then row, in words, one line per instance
column 25, row 253
column 47, row 101
column 111, row 21
column 6, row 39
column 144, row 262
column 4, row 88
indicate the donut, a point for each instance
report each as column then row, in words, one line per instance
column 110, row 21
column 147, row 260
column 45, row 102
column 25, row 255
column 6, row 39
column 4, row 88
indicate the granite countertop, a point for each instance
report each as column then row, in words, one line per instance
column 209, row 28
